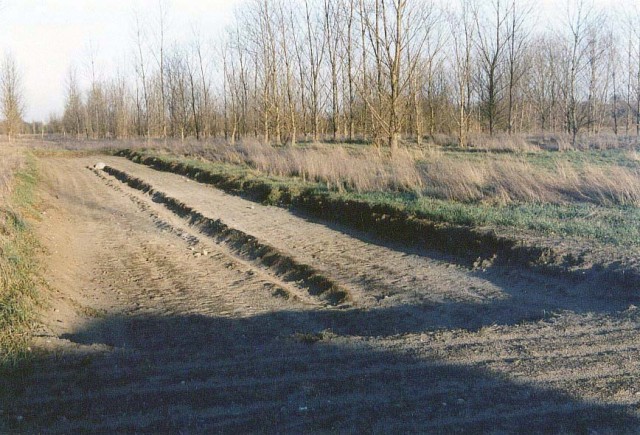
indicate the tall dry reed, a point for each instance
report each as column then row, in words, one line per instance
column 467, row 177
column 10, row 161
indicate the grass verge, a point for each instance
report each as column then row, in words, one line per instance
column 605, row 178
column 613, row 225
column 18, row 267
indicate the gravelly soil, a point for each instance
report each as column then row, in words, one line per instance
column 151, row 326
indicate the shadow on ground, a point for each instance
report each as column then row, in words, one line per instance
column 613, row 274
column 277, row 373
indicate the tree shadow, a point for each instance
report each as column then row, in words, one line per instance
column 277, row 372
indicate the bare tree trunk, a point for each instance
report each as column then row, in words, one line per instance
column 288, row 77
column 517, row 46
column 225, row 93
column 629, row 79
column 350, row 78
column 161, row 65
column 366, row 95
column 316, row 55
column 417, row 107
column 194, row 111
column 394, row 76
column 331, row 23
column 301, row 77
column 463, row 37
column 11, row 96
column 142, row 75
column 491, row 44
column 204, row 116
column 614, row 112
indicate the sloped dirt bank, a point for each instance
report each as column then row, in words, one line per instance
column 478, row 247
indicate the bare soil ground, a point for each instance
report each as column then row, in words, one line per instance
column 151, row 325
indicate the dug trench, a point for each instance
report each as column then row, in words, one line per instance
column 244, row 245
column 155, row 322
column 472, row 245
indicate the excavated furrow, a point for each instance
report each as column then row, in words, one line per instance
column 245, row 245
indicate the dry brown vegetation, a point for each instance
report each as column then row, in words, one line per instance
column 17, row 264
column 514, row 179
column 484, row 177
column 10, row 161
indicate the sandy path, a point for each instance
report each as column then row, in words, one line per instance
column 143, row 332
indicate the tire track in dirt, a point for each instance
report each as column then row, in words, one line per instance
column 148, row 337
column 379, row 276
column 246, row 246
column 177, row 226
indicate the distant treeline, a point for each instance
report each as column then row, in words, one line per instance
column 372, row 70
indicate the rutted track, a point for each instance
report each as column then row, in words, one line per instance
column 574, row 259
column 165, row 316
column 243, row 244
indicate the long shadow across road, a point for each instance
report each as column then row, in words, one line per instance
column 279, row 372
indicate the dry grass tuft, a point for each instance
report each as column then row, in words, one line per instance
column 502, row 143
column 504, row 181
column 608, row 186
column 11, row 160
column 495, row 178
column 511, row 180
column 341, row 168
column 17, row 253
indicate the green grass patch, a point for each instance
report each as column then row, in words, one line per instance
column 18, row 268
column 608, row 225
column 550, row 160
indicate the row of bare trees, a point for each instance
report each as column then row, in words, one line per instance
column 12, row 103
column 12, row 100
column 371, row 70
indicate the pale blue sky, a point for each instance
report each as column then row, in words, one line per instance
column 47, row 36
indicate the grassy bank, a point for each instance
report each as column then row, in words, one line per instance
column 581, row 240
column 605, row 178
column 17, row 255
column 612, row 224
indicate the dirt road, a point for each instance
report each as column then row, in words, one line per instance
column 152, row 324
